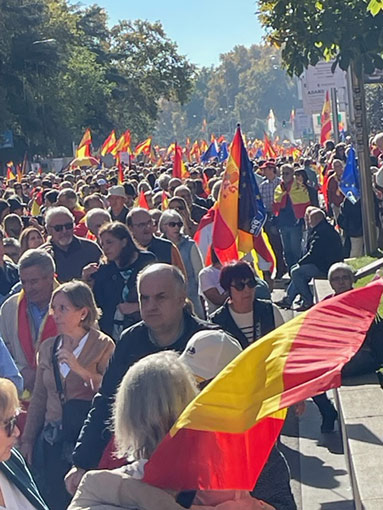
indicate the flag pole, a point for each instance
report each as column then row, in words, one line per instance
column 334, row 111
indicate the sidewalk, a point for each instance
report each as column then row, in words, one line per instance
column 319, row 477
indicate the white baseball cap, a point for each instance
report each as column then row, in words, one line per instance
column 117, row 191
column 209, row 351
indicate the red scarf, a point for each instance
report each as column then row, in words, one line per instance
column 48, row 329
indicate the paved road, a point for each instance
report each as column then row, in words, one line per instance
column 319, row 478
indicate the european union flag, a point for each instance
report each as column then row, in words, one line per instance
column 349, row 183
column 223, row 152
column 212, row 152
column 251, row 211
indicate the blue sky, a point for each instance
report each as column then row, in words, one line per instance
column 202, row 28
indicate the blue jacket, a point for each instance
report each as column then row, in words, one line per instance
column 18, row 473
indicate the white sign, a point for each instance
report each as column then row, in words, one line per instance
column 315, row 81
column 302, row 123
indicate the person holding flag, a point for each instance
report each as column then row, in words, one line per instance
column 240, row 214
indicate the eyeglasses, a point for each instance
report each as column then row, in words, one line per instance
column 344, row 278
column 60, row 228
column 175, row 224
column 143, row 225
column 10, row 424
column 241, row 285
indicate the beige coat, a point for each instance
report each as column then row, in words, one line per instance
column 116, row 490
column 45, row 406
column 9, row 331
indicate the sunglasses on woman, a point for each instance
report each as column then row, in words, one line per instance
column 241, row 285
column 175, row 224
column 60, row 228
column 10, row 425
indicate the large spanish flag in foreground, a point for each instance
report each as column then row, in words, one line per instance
column 240, row 214
column 223, row 438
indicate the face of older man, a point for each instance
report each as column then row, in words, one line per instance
column 37, row 285
column 341, row 281
column 60, row 229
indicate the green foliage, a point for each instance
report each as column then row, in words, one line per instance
column 374, row 105
column 375, row 6
column 243, row 88
column 62, row 69
column 312, row 30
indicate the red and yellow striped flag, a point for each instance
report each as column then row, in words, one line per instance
column 239, row 218
column 10, row 171
column 224, row 436
column 325, row 120
column 144, row 147
column 83, row 150
column 109, row 144
column 179, row 168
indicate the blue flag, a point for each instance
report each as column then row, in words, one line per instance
column 349, row 183
column 251, row 211
column 212, row 152
column 223, row 152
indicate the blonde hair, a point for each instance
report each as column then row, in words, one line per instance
column 8, row 397
column 80, row 296
column 152, row 395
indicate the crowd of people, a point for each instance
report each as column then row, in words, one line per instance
column 113, row 316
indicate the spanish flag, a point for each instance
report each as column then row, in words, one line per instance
column 240, row 215
column 144, row 147
column 268, row 149
column 109, row 144
column 10, row 171
column 123, row 144
column 83, row 150
column 35, row 209
column 325, row 120
column 164, row 201
column 224, row 436
column 141, row 201
column 298, row 195
column 179, row 168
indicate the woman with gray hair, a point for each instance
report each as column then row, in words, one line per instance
column 70, row 367
column 171, row 226
column 152, row 395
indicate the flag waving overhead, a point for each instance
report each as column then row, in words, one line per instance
column 325, row 120
column 268, row 149
column 144, row 147
column 109, row 144
column 212, row 152
column 240, row 214
column 349, row 183
column 179, row 169
column 224, row 436
column 83, row 150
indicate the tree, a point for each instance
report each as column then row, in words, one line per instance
column 243, row 88
column 312, row 30
column 62, row 70
column 374, row 102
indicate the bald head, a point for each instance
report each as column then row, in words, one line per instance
column 161, row 271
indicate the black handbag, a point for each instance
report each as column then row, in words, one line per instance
column 74, row 411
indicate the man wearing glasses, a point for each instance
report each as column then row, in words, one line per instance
column 71, row 253
column 142, row 228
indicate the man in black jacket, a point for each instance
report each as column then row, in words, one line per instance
column 165, row 325
column 324, row 248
